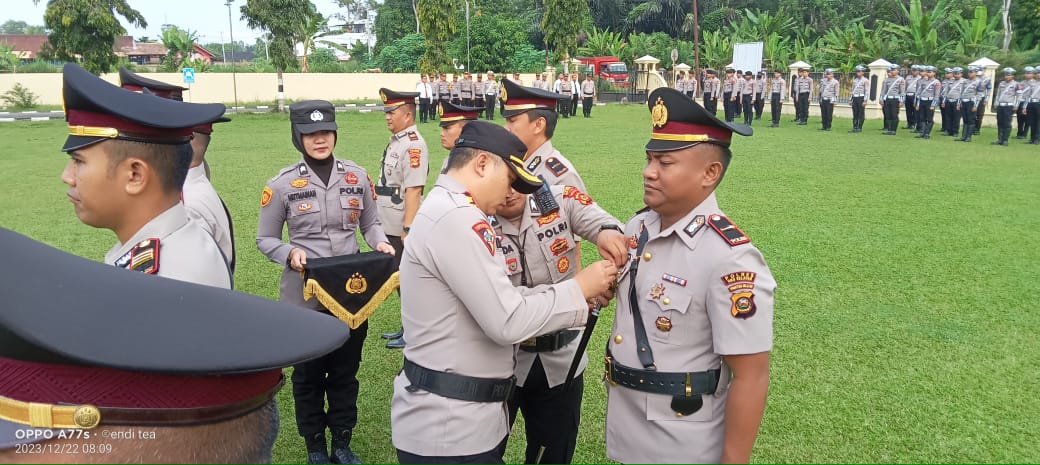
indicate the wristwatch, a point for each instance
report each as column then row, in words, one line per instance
column 406, row 228
column 611, row 226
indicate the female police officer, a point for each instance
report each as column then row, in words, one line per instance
column 324, row 200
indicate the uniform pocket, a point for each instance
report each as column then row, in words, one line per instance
column 304, row 216
column 667, row 305
column 557, row 248
column 351, row 206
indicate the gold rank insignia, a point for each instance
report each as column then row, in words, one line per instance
column 659, row 114
column 357, row 283
column 663, row 323
column 265, row 196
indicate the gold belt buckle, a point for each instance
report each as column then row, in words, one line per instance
column 531, row 342
column 607, row 373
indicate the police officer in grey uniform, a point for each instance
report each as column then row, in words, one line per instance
column 1022, row 111
column 201, row 200
column 402, row 177
column 729, row 85
column 530, row 114
column 443, row 88
column 588, row 94
column 860, row 93
column 135, row 190
column 985, row 88
column 777, row 96
column 462, row 313
column 748, row 92
column 911, row 96
column 453, row 119
column 466, row 89
column 490, row 95
column 969, row 98
column 538, row 249
column 711, row 91
column 566, row 90
column 324, row 201
column 802, row 93
column 953, row 100
column 927, row 91
column 687, row 362
column 1008, row 94
column 1033, row 111
column 892, row 92
column 943, row 97
column 828, row 95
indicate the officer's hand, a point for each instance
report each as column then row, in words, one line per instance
column 613, row 246
column 297, row 259
column 597, row 279
column 385, row 247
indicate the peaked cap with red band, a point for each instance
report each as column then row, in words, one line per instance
column 517, row 99
column 393, row 99
column 677, row 122
column 137, row 83
column 84, row 344
column 97, row 111
column 451, row 112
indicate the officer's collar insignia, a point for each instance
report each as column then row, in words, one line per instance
column 535, row 209
column 493, row 219
column 659, row 114
column 317, row 116
column 674, row 279
column 351, row 286
column 303, row 169
column 556, row 166
column 412, row 135
column 143, row 257
column 695, row 226
column 339, row 166
column 534, row 163
column 729, row 231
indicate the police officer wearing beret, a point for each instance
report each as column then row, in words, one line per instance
column 129, row 155
column 402, row 175
column 1008, row 94
column 453, row 119
column 203, row 203
column 119, row 367
column 538, row 248
column 324, row 200
column 462, row 313
column 688, row 359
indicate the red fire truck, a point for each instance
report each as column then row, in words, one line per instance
column 608, row 68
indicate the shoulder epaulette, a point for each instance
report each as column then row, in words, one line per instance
column 641, row 211
column 143, row 257
column 729, row 231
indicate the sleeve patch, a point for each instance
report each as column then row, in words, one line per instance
column 739, row 280
column 576, row 194
column 743, row 304
column 414, row 157
column 556, row 166
column 371, row 186
column 729, row 231
column 265, row 196
column 486, row 234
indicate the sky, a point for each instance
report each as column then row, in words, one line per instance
column 207, row 17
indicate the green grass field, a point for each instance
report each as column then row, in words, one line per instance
column 903, row 328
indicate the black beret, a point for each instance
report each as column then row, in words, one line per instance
column 499, row 141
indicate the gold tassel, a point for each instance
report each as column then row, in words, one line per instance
column 313, row 289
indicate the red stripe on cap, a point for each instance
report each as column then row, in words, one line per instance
column 460, row 114
column 109, row 387
column 204, row 128
column 106, row 120
column 544, row 102
column 683, row 128
column 396, row 101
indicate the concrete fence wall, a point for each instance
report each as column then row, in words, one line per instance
column 220, row 87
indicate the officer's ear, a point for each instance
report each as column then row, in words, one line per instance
column 136, row 174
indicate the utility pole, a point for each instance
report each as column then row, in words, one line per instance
column 696, row 41
column 231, row 32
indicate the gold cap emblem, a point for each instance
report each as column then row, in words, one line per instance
column 357, row 284
column 440, row 110
column 87, row 416
column 382, row 95
column 503, row 95
column 659, row 115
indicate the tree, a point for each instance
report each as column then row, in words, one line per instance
column 8, row 60
column 667, row 16
column 317, row 27
column 561, row 22
column 608, row 14
column 438, row 21
column 495, row 39
column 603, row 43
column 88, row 28
column 975, row 37
column 285, row 21
column 920, row 36
column 180, row 44
column 394, row 20
column 402, row 54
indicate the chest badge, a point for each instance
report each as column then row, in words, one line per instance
column 350, row 178
column 354, row 202
column 299, row 183
column 663, row 324
column 563, row 264
column 559, row 246
column 633, row 242
column 656, row 291
column 304, row 206
column 674, row 279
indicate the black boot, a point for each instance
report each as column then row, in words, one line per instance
column 317, row 449
column 968, row 132
column 341, row 452
column 393, row 335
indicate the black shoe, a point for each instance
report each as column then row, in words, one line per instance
column 394, row 335
column 344, row 455
column 1020, row 137
column 396, row 343
column 803, row 123
column 889, row 133
column 996, row 142
column 919, row 136
column 317, row 449
column 318, row 456
column 774, row 125
column 1004, row 143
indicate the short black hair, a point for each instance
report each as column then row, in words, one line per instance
column 550, row 119
column 725, row 155
column 459, row 156
column 170, row 162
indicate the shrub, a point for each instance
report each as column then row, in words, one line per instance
column 20, row 97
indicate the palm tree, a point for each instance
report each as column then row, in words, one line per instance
column 180, row 44
column 317, row 26
column 658, row 15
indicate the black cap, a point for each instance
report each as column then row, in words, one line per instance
column 129, row 80
column 310, row 116
column 393, row 99
column 679, row 122
column 499, row 141
column 157, row 348
column 450, row 112
column 517, row 99
column 711, row 71
column 97, row 110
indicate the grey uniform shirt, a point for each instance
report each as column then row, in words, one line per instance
column 463, row 315
column 490, row 88
column 711, row 87
column 453, row 89
column 728, row 84
column 542, row 250
column 911, row 85
column 760, row 85
column 803, row 85
column 748, row 87
column 708, row 276
column 406, row 163
column 956, row 90
column 1007, row 93
column 944, row 90
column 828, row 89
column 566, row 87
column 204, row 207
column 588, row 88
column 322, row 220
column 549, row 163
column 893, row 87
column 972, row 90
column 466, row 88
column 985, row 86
column 1034, row 91
column 442, row 89
column 186, row 251
column 778, row 86
column 860, row 87
column 927, row 89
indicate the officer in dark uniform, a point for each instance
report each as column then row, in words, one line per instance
column 90, row 352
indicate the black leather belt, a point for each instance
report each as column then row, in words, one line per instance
column 388, row 190
column 658, row 382
column 456, row 386
column 550, row 342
